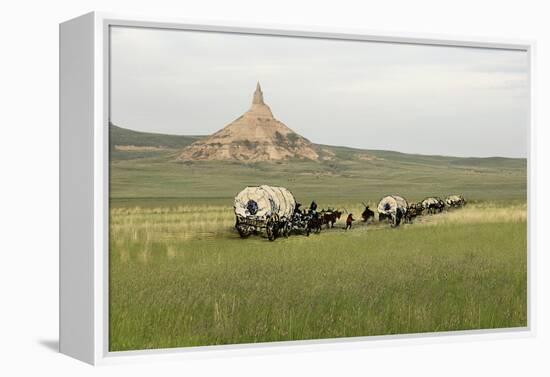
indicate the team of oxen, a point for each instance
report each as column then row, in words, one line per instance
column 275, row 210
column 395, row 209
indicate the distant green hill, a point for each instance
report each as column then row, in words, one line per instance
column 129, row 144
column 147, row 173
column 123, row 137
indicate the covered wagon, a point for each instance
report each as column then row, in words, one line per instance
column 262, row 208
column 455, row 201
column 433, row 204
column 392, row 208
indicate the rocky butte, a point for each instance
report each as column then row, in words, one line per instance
column 254, row 136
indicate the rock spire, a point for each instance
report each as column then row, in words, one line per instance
column 254, row 136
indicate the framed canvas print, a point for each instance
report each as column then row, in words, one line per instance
column 225, row 186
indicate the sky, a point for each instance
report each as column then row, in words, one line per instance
column 434, row 100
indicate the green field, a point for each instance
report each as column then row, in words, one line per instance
column 181, row 276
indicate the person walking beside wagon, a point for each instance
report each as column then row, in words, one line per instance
column 349, row 221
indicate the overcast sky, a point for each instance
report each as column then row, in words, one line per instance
column 407, row 98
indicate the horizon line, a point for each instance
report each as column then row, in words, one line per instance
column 336, row 146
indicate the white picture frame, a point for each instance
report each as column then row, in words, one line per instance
column 84, row 97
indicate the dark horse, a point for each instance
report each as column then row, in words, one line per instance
column 306, row 222
column 330, row 218
column 367, row 214
column 314, row 222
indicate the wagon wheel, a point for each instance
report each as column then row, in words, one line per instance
column 393, row 220
column 286, row 229
column 243, row 231
column 269, row 231
column 397, row 218
column 272, row 229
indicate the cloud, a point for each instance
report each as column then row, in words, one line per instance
column 331, row 91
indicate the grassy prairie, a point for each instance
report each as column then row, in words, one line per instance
column 155, row 179
column 182, row 277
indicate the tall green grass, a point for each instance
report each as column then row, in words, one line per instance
column 181, row 276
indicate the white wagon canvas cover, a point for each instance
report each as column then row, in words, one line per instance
column 270, row 200
column 390, row 203
column 454, row 200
